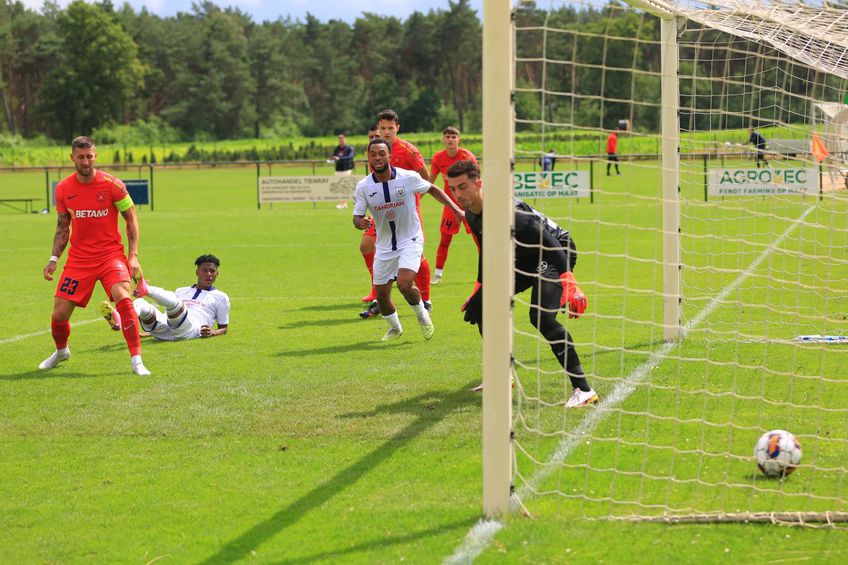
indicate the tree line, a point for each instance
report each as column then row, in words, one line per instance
column 213, row 73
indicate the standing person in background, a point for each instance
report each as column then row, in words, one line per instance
column 548, row 161
column 760, row 143
column 612, row 151
column 406, row 156
column 88, row 203
column 440, row 164
column 343, row 156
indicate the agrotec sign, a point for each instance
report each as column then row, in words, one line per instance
column 767, row 180
column 551, row 184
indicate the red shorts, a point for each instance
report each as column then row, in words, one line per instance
column 77, row 283
column 449, row 224
column 371, row 232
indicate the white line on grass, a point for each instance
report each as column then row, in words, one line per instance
column 42, row 332
column 483, row 532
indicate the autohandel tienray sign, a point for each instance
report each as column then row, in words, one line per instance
column 763, row 181
column 551, row 184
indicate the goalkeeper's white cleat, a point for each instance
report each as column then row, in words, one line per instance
column 393, row 333
column 427, row 328
column 437, row 277
column 55, row 358
column 581, row 398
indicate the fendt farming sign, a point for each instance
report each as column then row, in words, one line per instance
column 764, row 181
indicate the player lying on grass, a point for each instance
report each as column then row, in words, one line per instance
column 391, row 194
column 548, row 271
column 190, row 312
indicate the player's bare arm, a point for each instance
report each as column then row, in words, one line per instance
column 206, row 331
column 132, row 241
column 60, row 241
column 440, row 195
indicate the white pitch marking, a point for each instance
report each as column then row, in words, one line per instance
column 42, row 332
column 479, row 537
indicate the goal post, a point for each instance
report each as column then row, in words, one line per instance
column 689, row 139
column 497, row 255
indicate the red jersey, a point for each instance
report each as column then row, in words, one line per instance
column 94, row 209
column 406, row 156
column 612, row 144
column 441, row 162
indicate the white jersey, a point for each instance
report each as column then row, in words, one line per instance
column 393, row 206
column 205, row 306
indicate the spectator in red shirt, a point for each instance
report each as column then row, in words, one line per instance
column 612, row 151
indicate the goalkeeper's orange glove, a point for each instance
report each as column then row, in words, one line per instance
column 572, row 295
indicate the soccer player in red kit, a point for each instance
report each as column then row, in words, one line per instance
column 367, row 249
column 440, row 164
column 88, row 203
column 406, row 156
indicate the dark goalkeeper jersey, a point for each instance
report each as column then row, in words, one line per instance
column 541, row 244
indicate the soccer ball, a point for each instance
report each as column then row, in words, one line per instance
column 778, row 453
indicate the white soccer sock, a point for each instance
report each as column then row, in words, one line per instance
column 165, row 298
column 144, row 309
column 420, row 312
column 393, row 320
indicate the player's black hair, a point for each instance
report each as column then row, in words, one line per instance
column 207, row 259
column 388, row 114
column 377, row 141
column 451, row 129
column 464, row 167
column 373, row 128
column 82, row 142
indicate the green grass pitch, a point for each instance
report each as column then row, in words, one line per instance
column 300, row 438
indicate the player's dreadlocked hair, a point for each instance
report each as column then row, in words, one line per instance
column 207, row 259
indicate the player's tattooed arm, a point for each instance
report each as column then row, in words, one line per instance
column 60, row 241
column 132, row 241
column 63, row 233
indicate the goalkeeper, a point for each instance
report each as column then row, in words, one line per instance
column 544, row 258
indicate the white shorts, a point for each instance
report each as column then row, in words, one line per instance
column 346, row 173
column 387, row 263
column 163, row 329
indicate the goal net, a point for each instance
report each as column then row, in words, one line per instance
column 714, row 255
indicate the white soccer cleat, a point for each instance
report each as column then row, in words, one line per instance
column 393, row 333
column 580, row 398
column 427, row 328
column 55, row 358
column 139, row 369
column 437, row 277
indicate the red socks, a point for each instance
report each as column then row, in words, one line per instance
column 129, row 325
column 442, row 251
column 61, row 331
column 422, row 279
